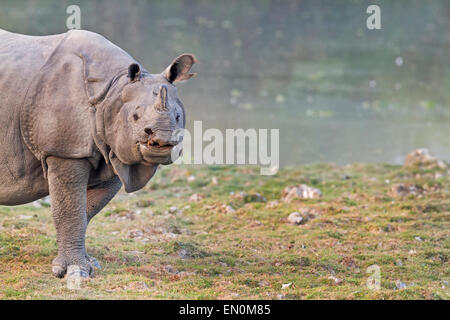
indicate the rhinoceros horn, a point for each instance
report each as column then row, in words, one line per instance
column 161, row 100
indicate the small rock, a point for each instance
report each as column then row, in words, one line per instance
column 301, row 191
column 196, row 197
column 144, row 203
column 126, row 215
column 229, row 209
column 240, row 195
column 403, row 190
column 214, row 180
column 256, row 197
column 335, row 279
column 255, row 223
column 400, row 285
column 286, row 285
column 412, row 252
column 438, row 175
column 24, row 217
column 309, row 213
column 422, row 158
column 173, row 229
column 398, row 263
column 139, row 286
column 295, row 218
column 173, row 209
column 171, row 270
column 135, row 252
column 249, row 197
column 418, row 239
column 135, row 233
column 191, row 178
column 263, row 283
column 272, row 204
column 184, row 254
column 389, row 228
column 349, row 262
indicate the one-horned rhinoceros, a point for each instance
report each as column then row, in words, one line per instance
column 79, row 117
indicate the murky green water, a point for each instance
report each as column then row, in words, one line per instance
column 338, row 91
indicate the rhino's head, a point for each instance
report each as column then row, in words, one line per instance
column 149, row 123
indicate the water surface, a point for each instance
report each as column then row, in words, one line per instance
column 337, row 91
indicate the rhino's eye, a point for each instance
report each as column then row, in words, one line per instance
column 177, row 118
column 135, row 117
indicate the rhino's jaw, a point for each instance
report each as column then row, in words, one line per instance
column 153, row 154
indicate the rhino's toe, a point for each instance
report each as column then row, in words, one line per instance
column 59, row 267
column 94, row 262
column 58, row 271
column 82, row 268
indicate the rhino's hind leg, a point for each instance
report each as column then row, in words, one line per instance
column 68, row 180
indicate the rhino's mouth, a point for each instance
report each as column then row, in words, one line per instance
column 152, row 153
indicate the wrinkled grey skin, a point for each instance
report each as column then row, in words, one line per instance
column 79, row 117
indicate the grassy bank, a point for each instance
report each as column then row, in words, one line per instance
column 157, row 243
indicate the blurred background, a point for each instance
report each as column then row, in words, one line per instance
column 337, row 91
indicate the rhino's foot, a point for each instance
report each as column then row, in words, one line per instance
column 59, row 266
column 93, row 262
column 83, row 267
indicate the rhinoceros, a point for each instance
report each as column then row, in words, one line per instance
column 79, row 118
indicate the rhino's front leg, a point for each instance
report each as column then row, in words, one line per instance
column 98, row 197
column 68, row 179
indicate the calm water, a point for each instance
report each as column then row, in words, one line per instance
column 337, row 91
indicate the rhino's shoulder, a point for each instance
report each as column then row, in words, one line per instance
column 85, row 36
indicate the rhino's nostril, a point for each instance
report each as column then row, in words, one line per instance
column 153, row 143
column 148, row 131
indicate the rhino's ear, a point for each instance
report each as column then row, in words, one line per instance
column 178, row 70
column 134, row 72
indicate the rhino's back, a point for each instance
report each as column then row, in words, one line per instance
column 21, row 57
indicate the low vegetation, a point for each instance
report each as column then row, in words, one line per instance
column 232, row 240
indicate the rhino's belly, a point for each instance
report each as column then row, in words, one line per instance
column 21, row 175
column 17, row 198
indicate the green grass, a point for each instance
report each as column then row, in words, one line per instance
column 149, row 250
